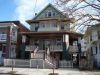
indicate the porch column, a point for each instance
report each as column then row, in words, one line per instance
column 65, row 55
column 79, row 45
column 23, row 47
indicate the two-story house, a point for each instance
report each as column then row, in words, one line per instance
column 50, row 37
column 92, row 38
column 9, row 32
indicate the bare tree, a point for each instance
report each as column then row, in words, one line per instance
column 85, row 12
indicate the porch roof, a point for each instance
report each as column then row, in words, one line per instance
column 52, row 33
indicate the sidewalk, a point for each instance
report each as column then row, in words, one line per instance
column 32, row 71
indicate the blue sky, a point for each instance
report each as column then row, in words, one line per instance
column 7, row 8
column 20, row 9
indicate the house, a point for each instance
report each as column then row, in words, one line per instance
column 9, row 32
column 50, row 38
column 92, row 38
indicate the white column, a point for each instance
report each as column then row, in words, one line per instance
column 66, row 39
column 23, row 38
column 63, row 38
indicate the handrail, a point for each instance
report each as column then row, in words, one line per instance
column 35, row 51
column 48, row 59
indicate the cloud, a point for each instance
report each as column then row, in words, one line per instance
column 27, row 8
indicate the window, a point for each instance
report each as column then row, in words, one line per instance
column 36, row 27
column 90, row 37
column 98, row 34
column 94, row 36
column 54, row 14
column 62, row 27
column 36, row 42
column 46, row 14
column 91, row 51
column 0, row 47
column 94, row 50
column 99, row 48
column 42, row 25
column 55, row 25
column 58, row 41
column 13, row 33
column 49, row 14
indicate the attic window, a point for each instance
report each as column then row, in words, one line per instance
column 49, row 14
column 54, row 14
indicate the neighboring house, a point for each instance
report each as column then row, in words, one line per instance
column 92, row 38
column 50, row 38
column 9, row 32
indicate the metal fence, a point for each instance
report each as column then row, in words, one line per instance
column 36, row 63
column 17, row 62
column 65, row 64
column 33, row 63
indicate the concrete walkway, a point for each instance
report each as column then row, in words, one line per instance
column 32, row 71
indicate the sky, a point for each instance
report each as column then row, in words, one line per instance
column 21, row 9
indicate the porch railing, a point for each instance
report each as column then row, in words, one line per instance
column 52, row 48
column 30, row 48
column 73, row 49
column 56, row 48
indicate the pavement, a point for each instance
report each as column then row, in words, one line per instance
column 33, row 71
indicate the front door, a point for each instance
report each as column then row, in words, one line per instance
column 46, row 44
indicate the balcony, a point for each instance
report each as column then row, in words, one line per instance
column 3, row 37
column 49, row 29
column 73, row 49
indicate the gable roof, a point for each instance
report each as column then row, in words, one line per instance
column 49, row 5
